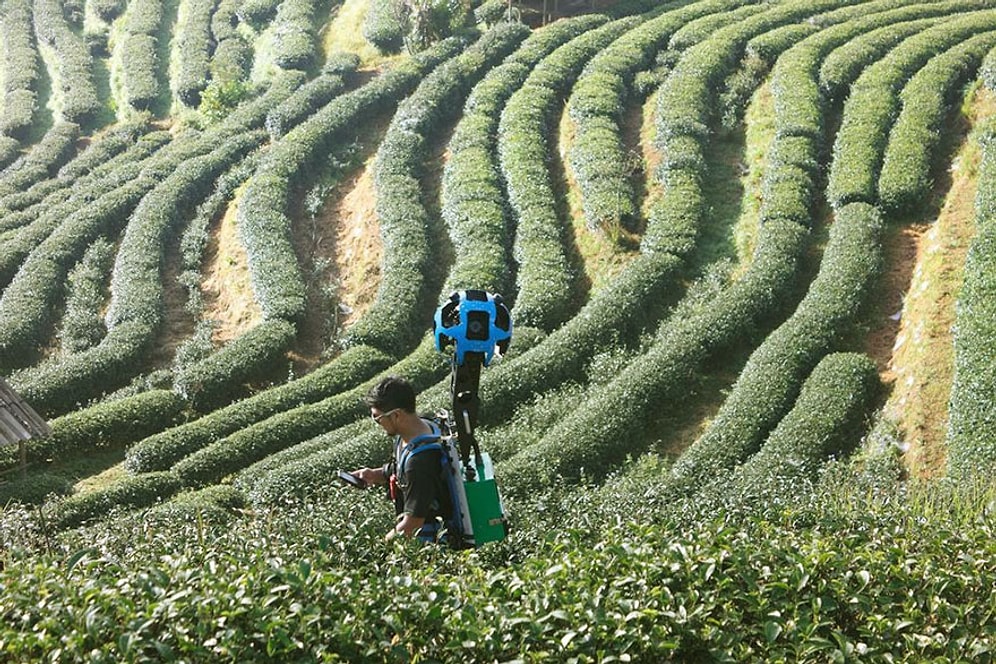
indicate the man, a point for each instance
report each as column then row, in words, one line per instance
column 416, row 480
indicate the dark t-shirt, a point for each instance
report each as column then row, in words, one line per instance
column 421, row 482
column 422, row 485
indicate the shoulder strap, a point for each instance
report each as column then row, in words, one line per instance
column 419, row 444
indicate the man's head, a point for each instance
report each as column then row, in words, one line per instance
column 390, row 395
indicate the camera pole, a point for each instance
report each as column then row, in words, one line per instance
column 477, row 324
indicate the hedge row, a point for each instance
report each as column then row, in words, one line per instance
column 197, row 236
column 256, row 12
column 874, row 103
column 9, row 150
column 137, row 52
column 606, row 428
column 881, row 34
column 210, row 464
column 160, row 451
column 76, row 91
column 619, row 312
column 135, row 313
column 136, row 286
column 191, row 50
column 971, row 435
column 82, row 325
column 25, row 306
column 312, row 95
column 232, row 55
column 105, row 146
column 987, row 71
column 56, row 148
column 826, row 421
column 111, row 424
column 306, row 468
column 294, row 34
column 769, row 383
column 43, row 218
column 264, row 227
column 547, row 286
column 685, row 108
column 381, row 27
column 473, row 199
column 596, row 105
column 130, row 491
column 19, row 65
column 411, row 273
column 222, row 376
column 906, row 178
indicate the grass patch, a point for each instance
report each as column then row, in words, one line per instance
column 931, row 251
column 344, row 32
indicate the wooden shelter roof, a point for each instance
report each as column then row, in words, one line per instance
column 18, row 421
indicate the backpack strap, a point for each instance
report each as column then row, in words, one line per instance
column 417, row 445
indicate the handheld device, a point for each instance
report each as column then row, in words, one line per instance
column 351, row 479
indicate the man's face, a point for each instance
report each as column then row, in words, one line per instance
column 385, row 419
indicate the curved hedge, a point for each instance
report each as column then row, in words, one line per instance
column 77, row 98
column 242, row 448
column 293, row 32
column 874, row 103
column 882, row 33
column 108, row 424
column 547, row 286
column 264, row 227
column 825, row 422
column 43, row 218
column 136, row 491
column 44, row 159
column 410, row 271
column 160, row 451
column 474, row 204
column 596, row 106
column 770, row 381
column 381, row 27
column 135, row 313
column 222, row 376
column 905, row 181
column 312, row 95
column 191, row 51
column 19, row 65
column 25, row 307
column 82, row 325
column 971, row 435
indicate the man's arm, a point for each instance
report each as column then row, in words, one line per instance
column 371, row 475
column 407, row 526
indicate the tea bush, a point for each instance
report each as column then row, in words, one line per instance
column 927, row 99
column 971, row 434
column 82, row 326
column 294, row 34
column 43, row 160
column 160, row 451
column 192, row 46
column 19, row 65
column 410, row 270
column 474, row 206
column 381, row 27
column 547, row 289
column 77, row 99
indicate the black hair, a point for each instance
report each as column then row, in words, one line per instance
column 390, row 393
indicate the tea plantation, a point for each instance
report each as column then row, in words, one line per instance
column 749, row 408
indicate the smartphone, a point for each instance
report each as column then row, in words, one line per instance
column 351, row 480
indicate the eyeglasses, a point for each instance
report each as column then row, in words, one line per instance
column 378, row 418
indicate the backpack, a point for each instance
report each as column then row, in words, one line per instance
column 476, row 514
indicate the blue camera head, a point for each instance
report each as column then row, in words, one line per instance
column 474, row 322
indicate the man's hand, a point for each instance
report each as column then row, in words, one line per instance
column 371, row 476
column 407, row 526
